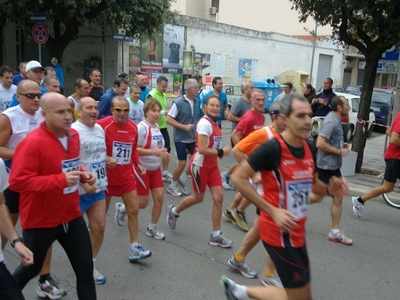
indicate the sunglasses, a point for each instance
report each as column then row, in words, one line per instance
column 119, row 110
column 31, row 96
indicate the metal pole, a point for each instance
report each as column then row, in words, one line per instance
column 313, row 51
column 40, row 53
column 122, row 47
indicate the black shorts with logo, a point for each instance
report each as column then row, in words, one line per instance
column 292, row 265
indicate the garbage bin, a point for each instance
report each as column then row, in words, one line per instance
column 298, row 78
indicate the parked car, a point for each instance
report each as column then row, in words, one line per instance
column 354, row 102
column 354, row 89
column 232, row 91
column 381, row 101
column 349, row 130
column 335, row 89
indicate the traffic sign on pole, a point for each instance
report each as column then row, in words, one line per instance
column 40, row 34
column 38, row 18
column 120, row 37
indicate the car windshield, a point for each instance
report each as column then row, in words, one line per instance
column 353, row 89
column 381, row 97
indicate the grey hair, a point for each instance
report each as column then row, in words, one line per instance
column 243, row 86
column 257, row 91
column 47, row 79
column 287, row 103
column 276, row 105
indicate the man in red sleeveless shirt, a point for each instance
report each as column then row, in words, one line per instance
column 288, row 173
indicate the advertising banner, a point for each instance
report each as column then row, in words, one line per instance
column 174, row 41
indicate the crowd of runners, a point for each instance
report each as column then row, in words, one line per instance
column 65, row 157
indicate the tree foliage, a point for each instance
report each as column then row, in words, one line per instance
column 372, row 26
column 66, row 17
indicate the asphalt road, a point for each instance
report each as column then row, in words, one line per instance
column 184, row 266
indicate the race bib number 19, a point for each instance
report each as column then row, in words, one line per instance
column 298, row 197
column 70, row 165
column 99, row 169
column 122, row 152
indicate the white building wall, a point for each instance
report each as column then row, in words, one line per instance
column 274, row 52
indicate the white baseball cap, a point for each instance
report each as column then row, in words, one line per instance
column 33, row 65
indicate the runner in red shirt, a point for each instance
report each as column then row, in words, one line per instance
column 287, row 168
column 121, row 141
column 253, row 119
column 392, row 171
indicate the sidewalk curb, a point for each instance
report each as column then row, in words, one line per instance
column 358, row 188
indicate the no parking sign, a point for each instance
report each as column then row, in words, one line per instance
column 40, row 34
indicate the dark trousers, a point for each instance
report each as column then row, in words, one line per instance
column 9, row 289
column 74, row 238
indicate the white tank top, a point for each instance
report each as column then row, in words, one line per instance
column 21, row 124
column 93, row 153
column 150, row 137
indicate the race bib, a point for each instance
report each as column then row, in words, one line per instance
column 99, row 169
column 122, row 152
column 70, row 165
column 298, row 197
column 217, row 142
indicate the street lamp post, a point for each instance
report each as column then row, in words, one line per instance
column 313, row 51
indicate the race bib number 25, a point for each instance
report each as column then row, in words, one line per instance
column 298, row 197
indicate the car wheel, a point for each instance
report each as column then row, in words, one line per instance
column 370, row 129
column 349, row 134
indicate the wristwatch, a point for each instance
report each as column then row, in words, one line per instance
column 18, row 239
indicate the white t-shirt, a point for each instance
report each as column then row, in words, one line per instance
column 6, row 96
column 3, row 186
column 150, row 162
column 204, row 127
column 93, row 153
column 136, row 113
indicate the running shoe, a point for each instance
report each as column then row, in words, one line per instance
column 274, row 280
column 229, row 217
column 155, row 233
column 174, row 190
column 120, row 214
column 50, row 288
column 240, row 218
column 357, row 206
column 166, row 176
column 138, row 253
column 228, row 286
column 242, row 267
column 226, row 181
column 184, row 188
column 98, row 277
column 340, row 238
column 171, row 218
column 220, row 241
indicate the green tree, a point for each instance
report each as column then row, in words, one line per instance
column 66, row 17
column 372, row 26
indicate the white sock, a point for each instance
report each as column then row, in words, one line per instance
column 335, row 231
column 152, row 226
column 122, row 208
column 174, row 212
column 216, row 233
column 133, row 245
column 240, row 292
column 94, row 261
